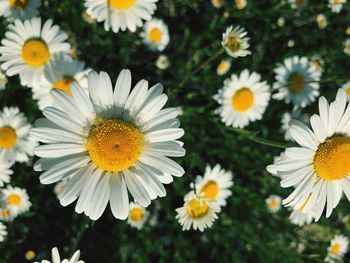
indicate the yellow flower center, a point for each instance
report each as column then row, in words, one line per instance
column 296, row 82
column 331, row 160
column 316, row 63
column 210, row 190
column 197, row 208
column 155, row 35
column 8, row 137
column 299, row 2
column 121, row 4
column 30, row 255
column 241, row 4
column 5, row 213
column 18, row 4
column 243, row 99
column 233, row 43
column 223, row 67
column 273, row 203
column 217, row 3
column 14, row 199
column 337, row 2
column 335, row 249
column 35, row 53
column 114, row 145
column 64, row 84
column 347, row 91
column 136, row 214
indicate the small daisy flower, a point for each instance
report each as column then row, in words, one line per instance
column 296, row 82
column 347, row 46
column 3, row 232
column 273, row 203
column 3, row 80
column 243, row 99
column 57, row 259
column 217, row 3
column 241, row 4
column 297, row 3
column 215, row 184
column 281, row 21
column 347, row 31
column 16, row 200
column 15, row 142
column 29, row 255
column 137, row 215
column 162, row 62
column 336, row 5
column 197, row 212
column 337, row 249
column 291, row 43
column 88, row 18
column 346, row 88
column 321, row 20
column 155, row 34
column 223, row 67
column 28, row 47
column 121, row 14
column 6, row 215
column 235, row 42
column 19, row 9
column 299, row 218
column 317, row 62
column 5, row 169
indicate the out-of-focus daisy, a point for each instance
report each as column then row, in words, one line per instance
column 291, row 43
column 5, row 169
column 346, row 88
column 215, row 184
column 297, row 3
column 321, row 20
column 155, row 34
column 110, row 143
column 217, row 3
column 347, row 31
column 243, row 99
column 6, row 215
column 15, row 142
column 281, row 21
column 319, row 169
column 57, row 259
column 317, row 62
column 197, row 212
column 137, row 215
column 223, row 67
column 235, row 42
column 3, row 80
column 287, row 117
column 162, row 62
column 60, row 74
column 296, row 82
column 3, row 232
column 338, row 248
column 273, row 203
column 241, row 4
column 347, row 46
column 336, row 5
column 121, row 14
column 19, row 9
column 88, row 18
column 16, row 200
column 29, row 255
column 299, row 218
column 28, row 47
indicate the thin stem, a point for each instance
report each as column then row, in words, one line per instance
column 80, row 234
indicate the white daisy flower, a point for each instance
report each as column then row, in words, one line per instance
column 297, row 3
column 155, row 34
column 317, row 63
column 243, row 99
column 59, row 74
column 273, row 203
column 121, row 14
column 235, row 42
column 321, row 20
column 215, row 184
column 19, row 9
column 338, row 248
column 3, row 80
column 28, row 47
column 15, row 142
column 16, row 200
column 223, row 67
column 299, row 218
column 109, row 142
column 347, row 46
column 336, row 5
column 5, row 169
column 319, row 169
column 137, row 216
column 57, row 259
column 3, row 232
column 6, row 215
column 281, row 21
column 346, row 88
column 296, row 82
column 197, row 212
column 217, row 3
column 162, row 62
column 241, row 4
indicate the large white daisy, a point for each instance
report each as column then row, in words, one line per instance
column 19, row 9
column 296, row 82
column 110, row 143
column 243, row 99
column 16, row 200
column 336, row 5
column 3, row 232
column 319, row 168
column 137, row 215
column 57, row 259
column 155, row 34
column 5, row 169
column 337, row 249
column 28, row 47
column 235, row 42
column 121, row 14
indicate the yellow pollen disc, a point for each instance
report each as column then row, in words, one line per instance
column 337, row 2
column 114, row 145
column 299, row 2
column 155, row 35
column 335, row 249
column 217, row 3
column 210, row 190
column 30, row 255
column 273, row 203
column 35, row 53
column 316, row 64
column 296, row 82
column 233, row 43
column 121, row 4
column 18, row 4
column 136, row 214
column 243, row 99
column 5, row 213
column 331, row 160
column 347, row 91
column 64, row 84
column 197, row 208
column 14, row 199
column 8, row 137
column 241, row 4
column 223, row 67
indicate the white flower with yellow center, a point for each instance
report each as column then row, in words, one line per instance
column 19, row 9
column 336, row 5
column 162, row 62
column 346, row 88
column 317, row 63
column 3, row 232
column 57, row 259
column 6, row 215
column 337, row 249
column 241, row 4
column 3, row 80
column 59, row 74
column 28, row 47
column 321, row 20
column 347, row 46
column 273, row 203
column 296, row 82
column 137, row 215
column 299, row 218
column 235, row 42
column 297, row 3
column 217, row 3
column 121, row 14
column 243, row 99
column 155, row 34
column 16, row 200
column 319, row 169
column 223, row 67
column 215, row 184
column 197, row 212
column 15, row 142
column 110, row 143
column 5, row 169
